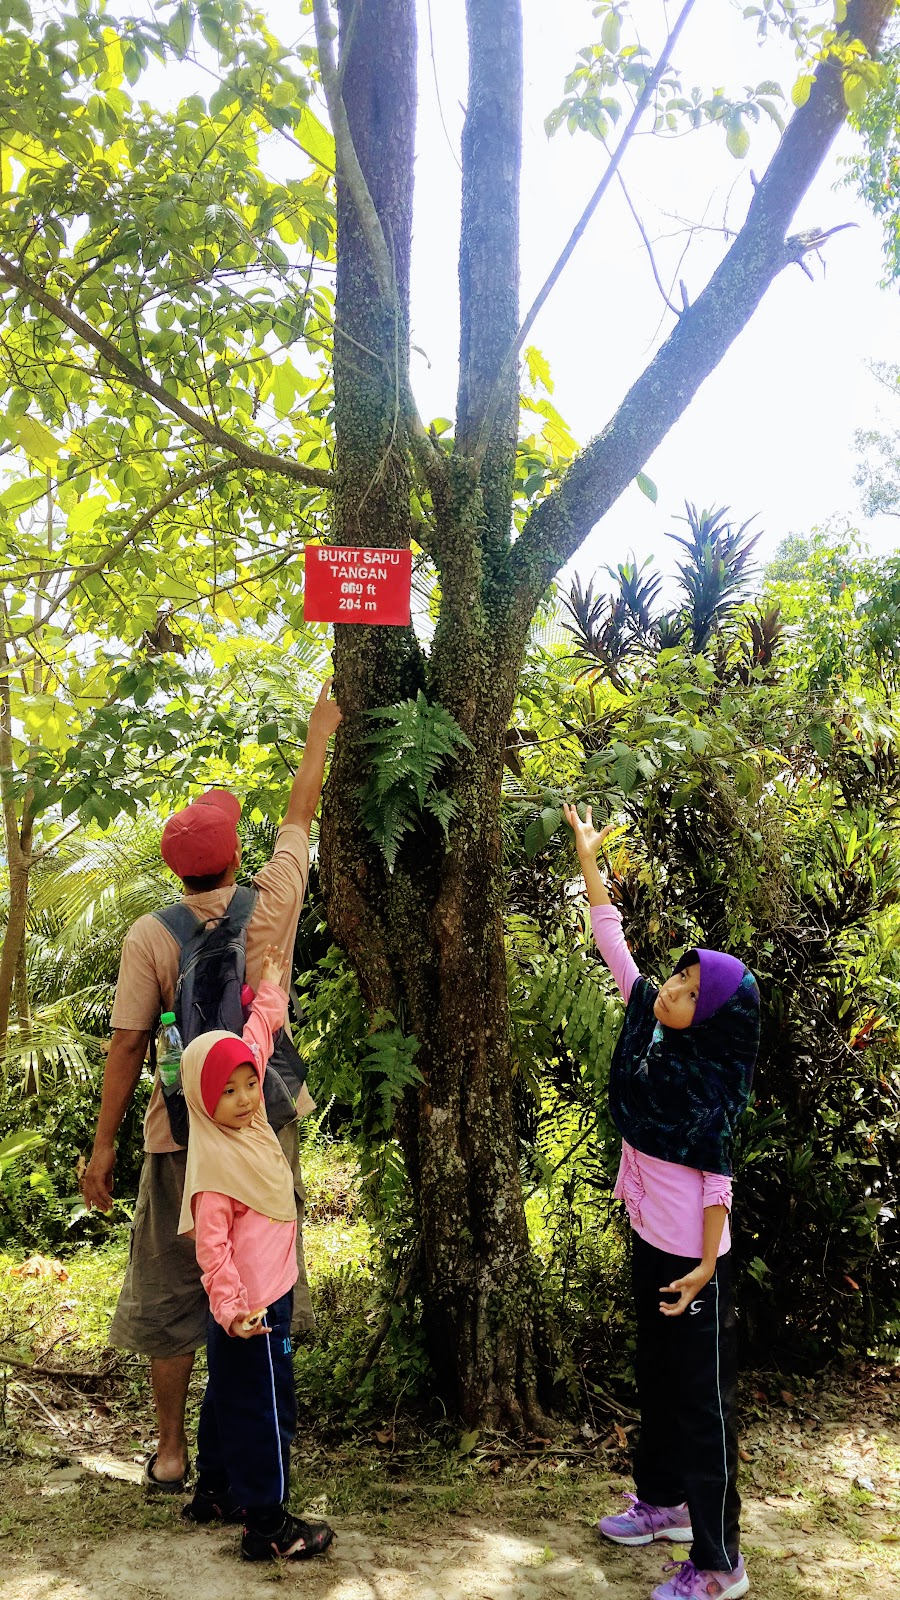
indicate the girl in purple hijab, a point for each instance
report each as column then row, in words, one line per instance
column 679, row 1082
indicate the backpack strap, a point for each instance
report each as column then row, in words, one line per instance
column 242, row 905
column 179, row 920
column 183, row 923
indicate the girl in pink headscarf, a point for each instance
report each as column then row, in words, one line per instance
column 239, row 1205
column 678, row 1084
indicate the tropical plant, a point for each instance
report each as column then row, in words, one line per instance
column 715, row 573
column 759, row 812
column 166, row 346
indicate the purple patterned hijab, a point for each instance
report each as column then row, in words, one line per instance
column 678, row 1093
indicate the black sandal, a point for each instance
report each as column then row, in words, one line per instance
column 155, row 1485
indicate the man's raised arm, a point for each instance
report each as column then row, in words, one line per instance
column 306, row 789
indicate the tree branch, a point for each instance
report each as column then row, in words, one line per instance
column 429, row 459
column 244, row 453
column 347, row 159
column 675, row 310
column 704, row 332
column 116, row 550
column 543, row 294
column 48, row 849
column 489, row 234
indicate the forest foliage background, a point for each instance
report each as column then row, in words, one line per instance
column 741, row 724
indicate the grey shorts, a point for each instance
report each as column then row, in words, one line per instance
column 162, row 1308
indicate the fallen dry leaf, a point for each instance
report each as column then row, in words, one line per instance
column 40, row 1267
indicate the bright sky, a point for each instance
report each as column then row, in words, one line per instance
column 771, row 431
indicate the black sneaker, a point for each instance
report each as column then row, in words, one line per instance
column 295, row 1540
column 209, row 1507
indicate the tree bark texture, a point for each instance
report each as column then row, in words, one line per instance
column 18, row 838
column 427, row 939
column 489, row 249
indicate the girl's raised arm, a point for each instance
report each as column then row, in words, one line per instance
column 605, row 920
column 587, row 843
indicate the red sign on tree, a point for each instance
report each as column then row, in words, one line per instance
column 356, row 584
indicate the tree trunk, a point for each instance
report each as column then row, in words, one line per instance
column 427, row 939
column 13, row 943
column 18, row 840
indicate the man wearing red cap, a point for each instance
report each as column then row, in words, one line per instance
column 162, row 1309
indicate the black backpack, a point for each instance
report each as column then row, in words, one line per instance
column 211, row 966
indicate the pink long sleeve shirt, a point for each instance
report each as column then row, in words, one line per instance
column 246, row 1260
column 665, row 1201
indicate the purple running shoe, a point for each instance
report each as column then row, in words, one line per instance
column 642, row 1523
column 689, row 1583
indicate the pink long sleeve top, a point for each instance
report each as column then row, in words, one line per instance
column 246, row 1260
column 665, row 1201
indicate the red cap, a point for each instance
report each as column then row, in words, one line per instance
column 225, row 1055
column 200, row 841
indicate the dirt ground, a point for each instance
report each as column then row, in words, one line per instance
column 821, row 1485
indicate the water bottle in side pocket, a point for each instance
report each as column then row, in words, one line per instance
column 168, row 1059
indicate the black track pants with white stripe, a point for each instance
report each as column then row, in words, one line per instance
column 687, row 1387
column 249, row 1413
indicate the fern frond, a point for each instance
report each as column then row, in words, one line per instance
column 390, row 1058
column 408, row 751
column 442, row 805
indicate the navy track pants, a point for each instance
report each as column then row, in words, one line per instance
column 687, row 1387
column 249, row 1414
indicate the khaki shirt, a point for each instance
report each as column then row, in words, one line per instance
column 149, row 967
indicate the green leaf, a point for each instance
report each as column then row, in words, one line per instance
column 467, row 1442
column 16, row 11
column 36, row 440
column 131, row 64
column 647, row 487
column 611, row 32
column 180, row 29
column 534, row 838
column 682, row 796
column 821, row 738
column 551, row 817
column 17, row 1144
column 408, row 751
column 773, row 112
column 538, row 369
column 856, row 91
column 26, row 492
column 315, row 139
column 85, row 513
column 284, row 388
column 737, row 138
column 800, row 91
column 691, row 698
column 625, row 771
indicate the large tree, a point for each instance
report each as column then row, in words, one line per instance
column 151, row 274
column 427, row 938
